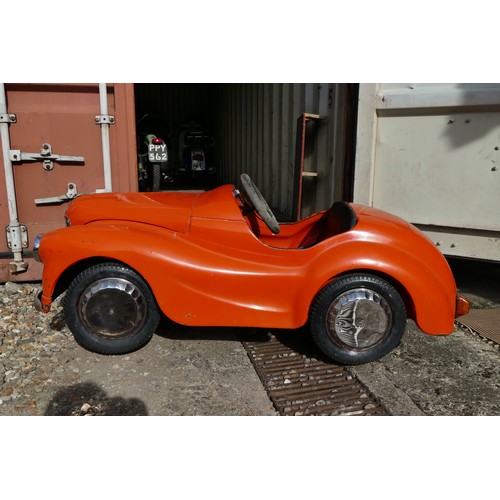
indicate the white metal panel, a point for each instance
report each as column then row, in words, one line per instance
column 366, row 144
column 465, row 243
column 440, row 170
column 438, row 95
column 431, row 154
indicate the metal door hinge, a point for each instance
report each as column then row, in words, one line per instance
column 45, row 155
column 12, row 237
column 8, row 118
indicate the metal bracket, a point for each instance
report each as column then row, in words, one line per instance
column 10, row 238
column 105, row 120
column 8, row 118
column 300, row 151
column 17, row 266
column 71, row 193
column 45, row 156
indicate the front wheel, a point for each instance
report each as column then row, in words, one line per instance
column 357, row 318
column 110, row 309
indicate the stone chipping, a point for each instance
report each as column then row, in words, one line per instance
column 37, row 351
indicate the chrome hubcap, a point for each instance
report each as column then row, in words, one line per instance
column 359, row 318
column 112, row 307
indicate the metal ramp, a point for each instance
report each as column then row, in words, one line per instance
column 484, row 322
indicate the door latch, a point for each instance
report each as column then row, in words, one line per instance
column 45, row 155
column 71, row 193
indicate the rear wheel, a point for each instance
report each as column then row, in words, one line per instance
column 357, row 319
column 110, row 309
column 156, row 177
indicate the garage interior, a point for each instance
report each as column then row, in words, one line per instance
column 253, row 129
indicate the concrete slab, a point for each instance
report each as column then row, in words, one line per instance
column 183, row 372
column 454, row 375
column 457, row 374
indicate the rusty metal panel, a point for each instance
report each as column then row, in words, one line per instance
column 64, row 117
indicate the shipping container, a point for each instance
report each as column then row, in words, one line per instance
column 431, row 154
column 55, row 145
column 60, row 140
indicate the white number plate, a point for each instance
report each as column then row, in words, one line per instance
column 158, row 153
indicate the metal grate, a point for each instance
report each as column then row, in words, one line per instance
column 485, row 322
column 300, row 382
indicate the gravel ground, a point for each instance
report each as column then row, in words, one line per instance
column 37, row 352
column 182, row 371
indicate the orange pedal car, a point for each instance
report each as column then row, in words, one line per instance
column 220, row 258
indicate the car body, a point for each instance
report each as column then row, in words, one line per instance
column 210, row 259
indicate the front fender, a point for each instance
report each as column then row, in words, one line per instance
column 140, row 247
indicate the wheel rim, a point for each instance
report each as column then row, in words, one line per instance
column 359, row 319
column 112, row 307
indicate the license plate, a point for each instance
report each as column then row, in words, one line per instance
column 158, row 153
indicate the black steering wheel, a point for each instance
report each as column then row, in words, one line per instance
column 259, row 203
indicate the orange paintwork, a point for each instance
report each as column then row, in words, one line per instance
column 209, row 265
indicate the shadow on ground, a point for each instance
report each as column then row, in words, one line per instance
column 299, row 339
column 479, row 279
column 88, row 399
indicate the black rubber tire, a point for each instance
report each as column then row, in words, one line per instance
column 156, row 177
column 259, row 203
column 93, row 340
column 329, row 342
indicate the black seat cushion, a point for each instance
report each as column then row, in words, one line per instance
column 339, row 219
column 342, row 216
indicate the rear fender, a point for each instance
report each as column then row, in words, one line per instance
column 423, row 274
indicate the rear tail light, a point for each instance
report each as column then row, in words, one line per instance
column 157, row 140
column 463, row 306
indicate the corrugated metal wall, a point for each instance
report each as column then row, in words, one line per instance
column 179, row 103
column 258, row 124
column 254, row 126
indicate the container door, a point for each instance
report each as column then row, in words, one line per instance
column 56, row 152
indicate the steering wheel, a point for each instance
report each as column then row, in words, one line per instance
column 259, row 203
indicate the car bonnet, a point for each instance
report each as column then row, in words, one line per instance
column 169, row 210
